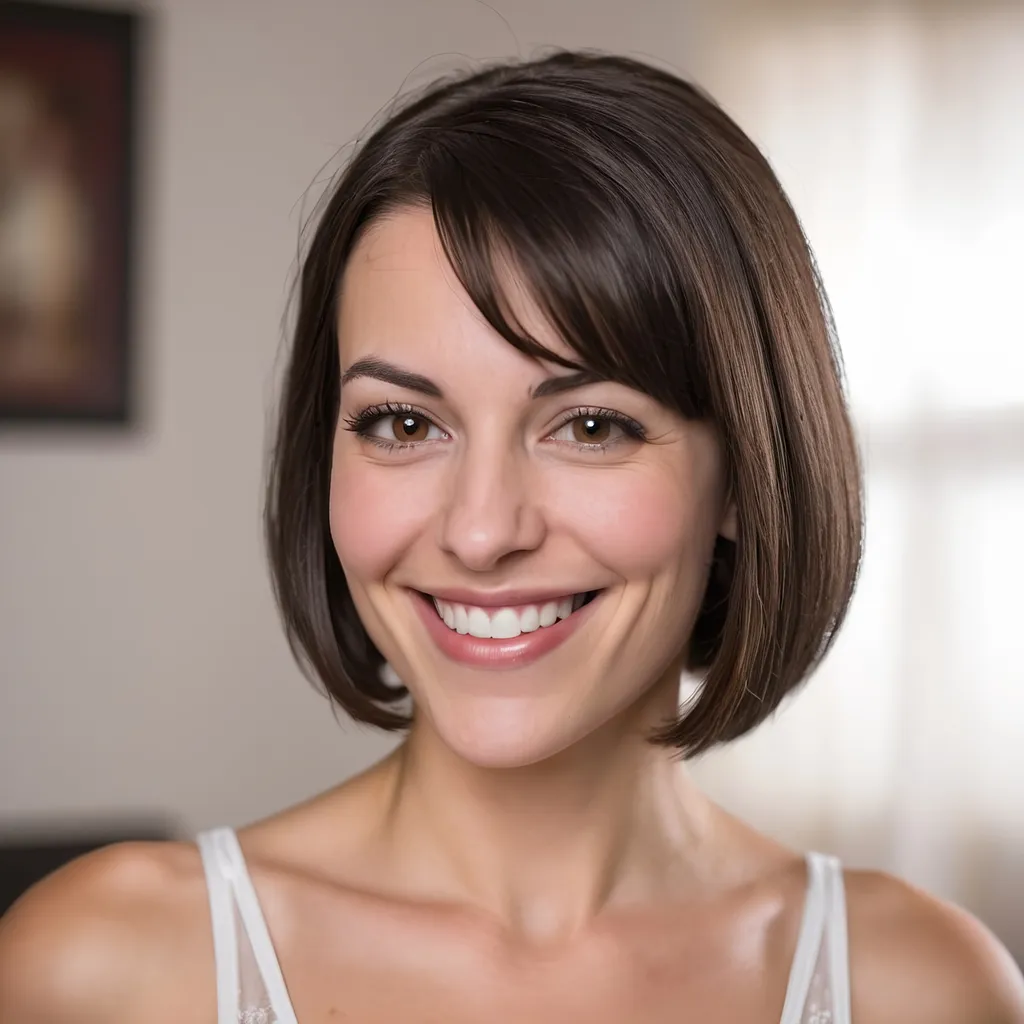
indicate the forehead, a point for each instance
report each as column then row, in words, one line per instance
column 400, row 298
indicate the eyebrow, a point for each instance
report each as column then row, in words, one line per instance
column 380, row 369
column 389, row 373
column 565, row 382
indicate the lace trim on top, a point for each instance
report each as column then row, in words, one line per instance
column 253, row 999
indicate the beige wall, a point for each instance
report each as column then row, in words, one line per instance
column 141, row 663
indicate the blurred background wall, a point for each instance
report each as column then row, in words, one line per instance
column 142, row 669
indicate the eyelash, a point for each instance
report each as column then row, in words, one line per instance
column 361, row 423
column 626, row 424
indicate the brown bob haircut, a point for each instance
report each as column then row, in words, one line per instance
column 655, row 238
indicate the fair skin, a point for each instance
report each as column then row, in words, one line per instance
column 526, row 854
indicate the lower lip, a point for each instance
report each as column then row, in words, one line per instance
column 499, row 654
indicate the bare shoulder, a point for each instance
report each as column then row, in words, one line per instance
column 915, row 958
column 121, row 934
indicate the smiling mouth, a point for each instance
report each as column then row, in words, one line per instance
column 507, row 623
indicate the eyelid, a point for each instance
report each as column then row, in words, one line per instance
column 631, row 433
column 361, row 423
column 366, row 418
column 629, row 425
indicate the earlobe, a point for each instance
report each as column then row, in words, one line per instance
column 729, row 527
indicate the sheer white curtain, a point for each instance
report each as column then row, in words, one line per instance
column 899, row 135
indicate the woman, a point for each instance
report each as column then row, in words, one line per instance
column 563, row 420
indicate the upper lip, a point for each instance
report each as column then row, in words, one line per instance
column 500, row 599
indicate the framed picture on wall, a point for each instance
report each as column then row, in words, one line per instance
column 67, row 165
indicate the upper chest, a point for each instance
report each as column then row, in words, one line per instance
column 709, row 969
column 386, row 1001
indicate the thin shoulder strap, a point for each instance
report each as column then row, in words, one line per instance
column 231, row 888
column 222, row 914
column 256, row 927
column 838, row 944
column 812, row 926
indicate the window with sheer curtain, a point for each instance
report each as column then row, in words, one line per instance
column 899, row 135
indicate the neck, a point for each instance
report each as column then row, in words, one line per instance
column 613, row 820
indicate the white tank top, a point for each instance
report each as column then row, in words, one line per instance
column 251, row 988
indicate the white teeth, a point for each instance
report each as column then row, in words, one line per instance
column 529, row 619
column 505, row 623
column 479, row 623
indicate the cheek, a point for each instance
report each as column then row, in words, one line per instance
column 640, row 523
column 376, row 513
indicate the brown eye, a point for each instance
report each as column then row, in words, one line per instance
column 408, row 427
column 591, row 429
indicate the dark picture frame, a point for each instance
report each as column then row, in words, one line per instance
column 68, row 133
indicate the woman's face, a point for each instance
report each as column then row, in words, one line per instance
column 480, row 497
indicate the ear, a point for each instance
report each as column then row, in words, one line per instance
column 729, row 526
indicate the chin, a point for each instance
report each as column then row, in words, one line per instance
column 504, row 733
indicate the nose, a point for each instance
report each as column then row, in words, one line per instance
column 492, row 511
